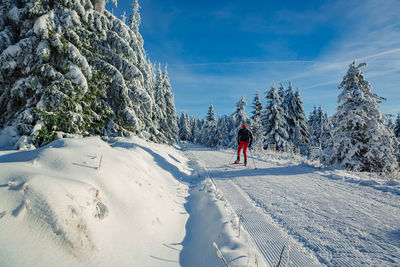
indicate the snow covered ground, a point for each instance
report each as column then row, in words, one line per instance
column 322, row 217
column 60, row 209
column 85, row 202
column 127, row 202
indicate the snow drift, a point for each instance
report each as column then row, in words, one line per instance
column 83, row 202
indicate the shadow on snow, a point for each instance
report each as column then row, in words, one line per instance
column 222, row 173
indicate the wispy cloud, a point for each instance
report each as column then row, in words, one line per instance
column 247, row 63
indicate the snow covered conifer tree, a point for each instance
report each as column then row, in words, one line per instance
column 170, row 126
column 197, row 130
column 211, row 113
column 239, row 117
column 273, row 130
column 256, row 118
column 192, row 127
column 240, row 114
column 397, row 126
column 189, row 121
column 72, row 67
column 257, row 107
column 184, row 127
column 302, row 129
column 225, row 126
column 135, row 19
column 313, row 124
column 320, row 128
column 361, row 141
column 282, row 92
column 209, row 132
column 297, row 126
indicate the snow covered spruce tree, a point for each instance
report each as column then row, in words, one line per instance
column 273, row 130
column 209, row 133
column 185, row 133
column 167, row 117
column 297, row 126
column 320, row 128
column 239, row 117
column 256, row 117
column 361, row 141
column 281, row 92
column 70, row 66
column 197, row 130
column 225, row 126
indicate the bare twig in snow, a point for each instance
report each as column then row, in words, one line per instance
column 101, row 159
column 219, row 253
column 280, row 257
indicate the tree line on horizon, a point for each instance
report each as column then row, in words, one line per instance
column 357, row 137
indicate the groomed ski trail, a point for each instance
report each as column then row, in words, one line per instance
column 324, row 220
column 267, row 235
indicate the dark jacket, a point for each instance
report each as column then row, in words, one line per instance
column 245, row 135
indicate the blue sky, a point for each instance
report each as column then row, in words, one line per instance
column 219, row 51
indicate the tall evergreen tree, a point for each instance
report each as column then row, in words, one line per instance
column 302, row 129
column 135, row 19
column 273, row 122
column 361, row 141
column 211, row 113
column 239, row 117
column 210, row 130
column 171, row 126
column 320, row 128
column 72, row 67
column 256, row 117
column 282, row 92
column 296, row 119
column 257, row 107
column 196, row 130
column 225, row 126
column 184, row 127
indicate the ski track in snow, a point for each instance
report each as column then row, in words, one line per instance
column 268, row 237
column 324, row 221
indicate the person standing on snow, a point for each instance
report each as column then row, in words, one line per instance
column 245, row 139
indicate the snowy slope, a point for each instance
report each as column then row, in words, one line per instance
column 59, row 209
column 325, row 217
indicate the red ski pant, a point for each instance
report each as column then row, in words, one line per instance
column 244, row 145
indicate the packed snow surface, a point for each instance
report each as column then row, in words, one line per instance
column 322, row 217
